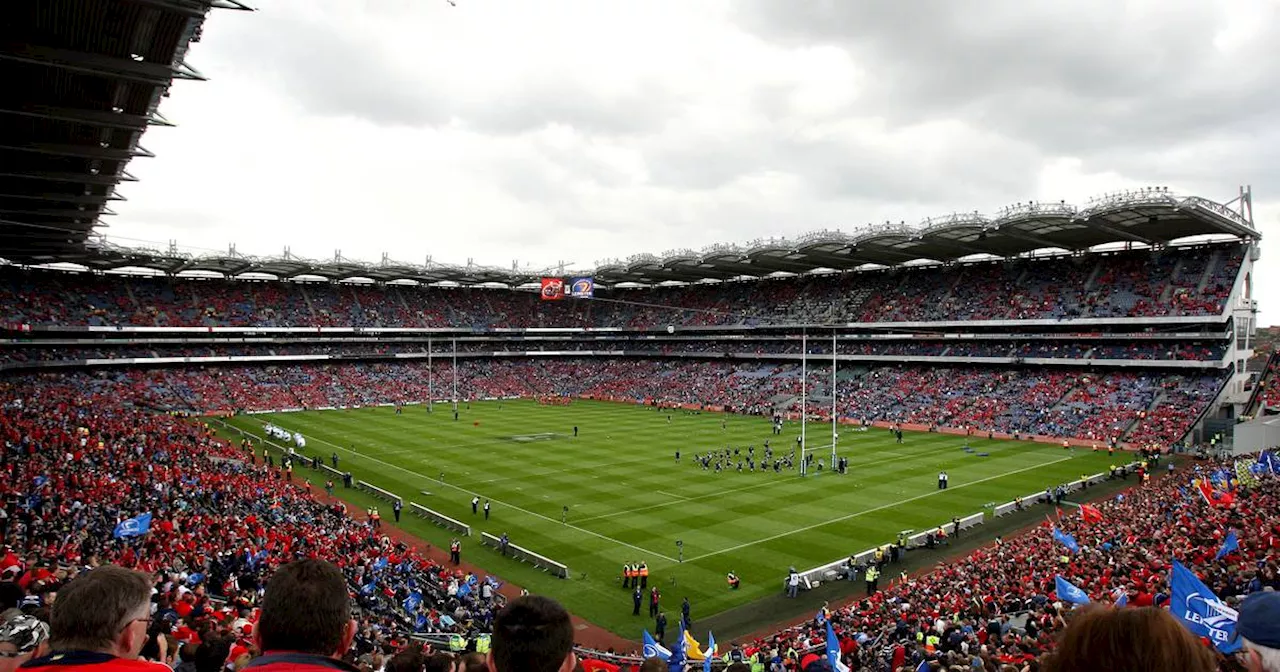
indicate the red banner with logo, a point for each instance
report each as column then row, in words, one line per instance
column 552, row 289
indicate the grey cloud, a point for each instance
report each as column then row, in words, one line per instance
column 964, row 170
column 330, row 72
column 1072, row 76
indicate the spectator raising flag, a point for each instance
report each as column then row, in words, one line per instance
column 1069, row 592
column 1229, row 545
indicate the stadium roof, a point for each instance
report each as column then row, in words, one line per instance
column 1149, row 217
column 81, row 81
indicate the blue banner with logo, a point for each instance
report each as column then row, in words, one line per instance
column 1069, row 592
column 582, row 288
column 1201, row 611
column 133, row 527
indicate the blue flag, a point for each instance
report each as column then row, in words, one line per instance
column 676, row 661
column 711, row 652
column 923, row 666
column 1069, row 592
column 1201, row 611
column 380, row 564
column 652, row 649
column 1229, row 545
column 1066, row 539
column 1269, row 461
column 133, row 527
column 833, row 650
column 412, row 602
column 1124, row 599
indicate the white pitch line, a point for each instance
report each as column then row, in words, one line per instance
column 671, row 494
column 718, row 493
column 852, row 469
column 878, row 508
column 496, row 501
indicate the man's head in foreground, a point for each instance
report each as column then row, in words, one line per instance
column 106, row 610
column 532, row 634
column 306, row 609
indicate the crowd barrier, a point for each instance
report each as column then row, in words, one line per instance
column 440, row 519
column 525, row 555
column 377, row 492
column 1035, row 497
column 830, row 571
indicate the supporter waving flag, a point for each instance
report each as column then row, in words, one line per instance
column 133, row 527
column 1066, row 540
column 1269, row 462
column 677, row 658
column 652, row 649
column 692, row 649
column 1230, row 545
column 711, row 652
column 1069, row 592
column 1090, row 513
column 833, row 650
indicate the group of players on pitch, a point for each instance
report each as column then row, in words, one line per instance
column 731, row 458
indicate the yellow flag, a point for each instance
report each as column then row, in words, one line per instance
column 692, row 649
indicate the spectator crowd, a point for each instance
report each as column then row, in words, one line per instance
column 1193, row 281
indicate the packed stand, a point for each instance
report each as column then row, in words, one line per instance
column 1102, row 407
column 1182, row 282
column 997, row 608
column 77, row 462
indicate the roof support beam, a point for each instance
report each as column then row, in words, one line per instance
column 1019, row 234
column 125, row 122
column 1127, row 235
column 186, row 8
column 67, row 213
column 964, row 247
column 78, row 199
column 93, row 64
column 78, row 178
column 83, row 151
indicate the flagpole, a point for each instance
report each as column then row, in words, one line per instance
column 834, row 435
column 804, row 392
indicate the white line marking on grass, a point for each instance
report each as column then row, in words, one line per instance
column 878, row 508
column 496, row 501
column 766, row 484
column 671, row 494
column 718, row 493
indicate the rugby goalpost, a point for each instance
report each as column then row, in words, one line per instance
column 804, row 402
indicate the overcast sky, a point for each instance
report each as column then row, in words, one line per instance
column 576, row 131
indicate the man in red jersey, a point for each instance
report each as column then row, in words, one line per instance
column 305, row 624
column 99, row 624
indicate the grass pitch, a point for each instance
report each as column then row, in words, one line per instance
column 629, row 500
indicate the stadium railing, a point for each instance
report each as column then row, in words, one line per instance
column 378, row 492
column 1038, row 497
column 832, row 570
column 440, row 519
column 525, row 555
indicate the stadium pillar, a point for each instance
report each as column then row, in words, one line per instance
column 431, row 396
column 455, row 375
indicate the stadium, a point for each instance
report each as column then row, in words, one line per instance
column 935, row 436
